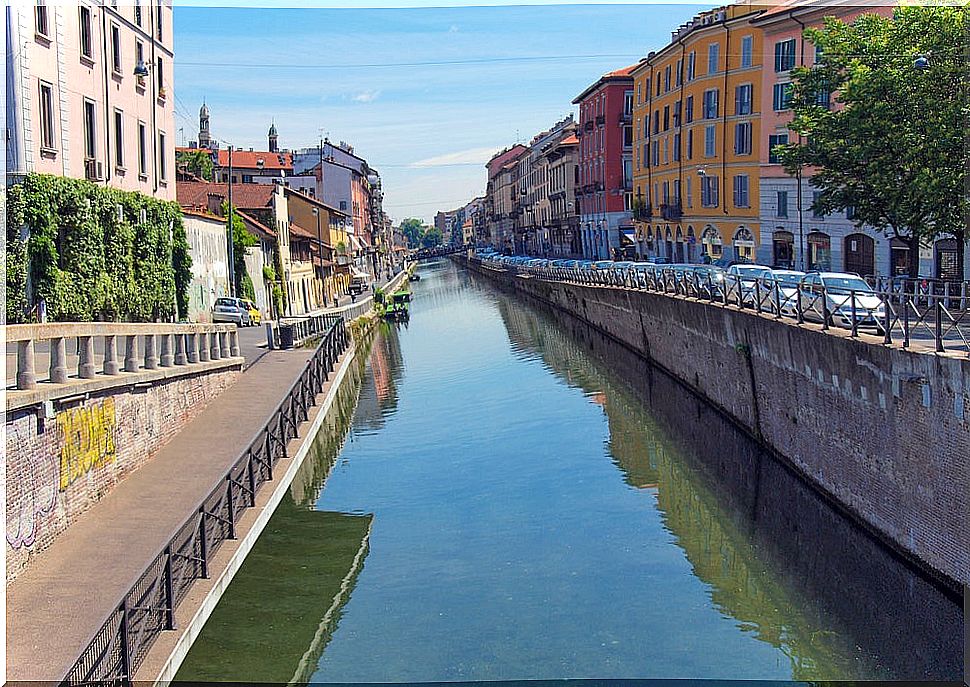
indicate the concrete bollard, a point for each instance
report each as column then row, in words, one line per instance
column 58, row 368
column 270, row 336
column 131, row 354
column 166, row 359
column 224, row 343
column 204, row 347
column 180, row 356
column 234, row 343
column 151, row 353
column 26, row 378
column 214, row 346
column 111, row 366
column 192, row 348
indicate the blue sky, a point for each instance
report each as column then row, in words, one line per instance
column 424, row 94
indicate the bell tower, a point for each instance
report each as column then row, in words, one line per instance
column 204, row 140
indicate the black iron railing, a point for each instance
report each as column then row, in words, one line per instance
column 939, row 319
column 148, row 608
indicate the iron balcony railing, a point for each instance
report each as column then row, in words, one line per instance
column 148, row 608
column 940, row 321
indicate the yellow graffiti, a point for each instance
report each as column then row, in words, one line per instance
column 87, row 439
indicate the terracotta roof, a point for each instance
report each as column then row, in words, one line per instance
column 297, row 230
column 569, row 140
column 248, row 219
column 248, row 159
column 616, row 75
column 195, row 194
column 201, row 213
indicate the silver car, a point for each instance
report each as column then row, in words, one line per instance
column 233, row 310
column 839, row 296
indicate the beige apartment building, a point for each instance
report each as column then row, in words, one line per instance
column 75, row 105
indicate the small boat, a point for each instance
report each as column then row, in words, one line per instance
column 397, row 307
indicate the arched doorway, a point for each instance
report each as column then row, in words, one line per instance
column 860, row 255
column 711, row 242
column 819, row 256
column 669, row 240
column 743, row 244
column 947, row 260
column 783, row 249
column 691, row 243
column 650, row 246
column 680, row 246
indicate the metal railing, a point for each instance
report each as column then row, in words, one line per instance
column 938, row 319
column 148, row 608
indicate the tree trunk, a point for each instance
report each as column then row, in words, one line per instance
column 961, row 237
column 914, row 255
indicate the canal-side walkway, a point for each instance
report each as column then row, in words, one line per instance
column 57, row 604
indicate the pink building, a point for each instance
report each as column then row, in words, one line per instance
column 75, row 106
column 605, row 185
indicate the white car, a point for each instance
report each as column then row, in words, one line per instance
column 843, row 293
column 745, row 278
column 787, row 282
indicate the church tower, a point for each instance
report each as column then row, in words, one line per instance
column 204, row 140
column 273, row 139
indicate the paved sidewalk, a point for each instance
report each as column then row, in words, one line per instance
column 57, row 604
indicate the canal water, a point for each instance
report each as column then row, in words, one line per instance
column 501, row 493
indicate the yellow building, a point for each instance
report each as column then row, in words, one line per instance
column 696, row 139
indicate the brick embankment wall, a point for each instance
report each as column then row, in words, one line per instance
column 884, row 431
column 57, row 468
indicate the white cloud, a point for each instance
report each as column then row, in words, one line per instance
column 453, row 28
column 462, row 157
column 366, row 97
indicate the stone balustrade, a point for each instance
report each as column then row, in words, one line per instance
column 107, row 349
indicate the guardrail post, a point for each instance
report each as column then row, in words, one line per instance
column 26, row 377
column 224, row 344
column 203, row 546
column 203, row 346
column 166, row 359
column 111, row 366
column 855, row 319
column 252, row 482
column 180, row 357
column 938, row 329
column 906, row 321
column 230, row 507
column 123, row 640
column 151, row 353
column 58, row 366
column 131, row 353
column 886, row 336
column 825, row 309
column 169, row 591
column 85, row 360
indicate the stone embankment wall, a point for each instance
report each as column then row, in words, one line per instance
column 58, row 467
column 884, row 431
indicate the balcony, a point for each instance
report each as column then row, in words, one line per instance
column 643, row 213
column 625, row 118
column 671, row 211
column 600, row 120
column 588, row 126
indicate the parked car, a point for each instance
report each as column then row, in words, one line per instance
column 255, row 317
column 744, row 277
column 835, row 294
column 227, row 309
column 787, row 282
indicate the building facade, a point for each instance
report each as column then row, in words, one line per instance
column 605, row 152
column 208, row 245
column 75, row 106
column 697, row 121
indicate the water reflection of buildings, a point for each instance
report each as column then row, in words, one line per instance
column 778, row 559
column 378, row 397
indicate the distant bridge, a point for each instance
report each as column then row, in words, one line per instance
column 439, row 251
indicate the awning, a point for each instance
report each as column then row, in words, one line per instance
column 355, row 243
column 628, row 234
column 357, row 273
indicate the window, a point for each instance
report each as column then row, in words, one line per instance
column 666, row 150
column 90, row 133
column 656, row 121
column 690, row 198
column 676, row 147
column 742, row 99
column 773, row 141
column 713, row 56
column 709, row 191
column 709, row 140
column 689, row 109
column 627, row 136
column 656, row 153
column 161, row 78
column 40, row 19
column 161, row 156
column 667, row 78
column 158, row 20
column 816, row 196
column 784, row 55
column 691, row 59
column 677, row 191
column 781, row 206
column 119, row 140
column 86, row 42
column 679, row 75
column 677, row 106
column 850, row 212
column 666, row 117
column 690, row 144
column 116, row 48
column 710, row 104
column 742, row 138
column 781, row 96
column 746, row 43
column 818, row 54
column 142, row 150
column 46, row 116
column 741, row 191
column 666, row 195
column 138, row 12
column 823, row 97
column 628, row 103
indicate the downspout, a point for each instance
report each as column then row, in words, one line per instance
column 650, row 198
column 724, row 130
column 107, row 106
column 154, row 100
column 798, row 174
column 680, row 131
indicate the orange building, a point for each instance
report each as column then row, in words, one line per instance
column 696, row 139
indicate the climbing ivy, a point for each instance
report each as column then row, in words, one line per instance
column 94, row 253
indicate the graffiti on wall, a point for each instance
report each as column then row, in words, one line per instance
column 87, row 439
column 31, row 488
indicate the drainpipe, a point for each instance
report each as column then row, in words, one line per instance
column 107, row 106
column 154, row 100
column 680, row 130
column 727, row 58
column 798, row 175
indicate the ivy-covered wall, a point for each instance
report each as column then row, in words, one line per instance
column 87, row 259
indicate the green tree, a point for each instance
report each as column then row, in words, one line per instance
column 195, row 162
column 241, row 240
column 413, row 230
column 891, row 142
column 431, row 237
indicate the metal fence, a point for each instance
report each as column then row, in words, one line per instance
column 148, row 608
column 936, row 317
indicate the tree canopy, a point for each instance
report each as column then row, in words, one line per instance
column 195, row 162
column 891, row 140
column 431, row 237
column 413, row 229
